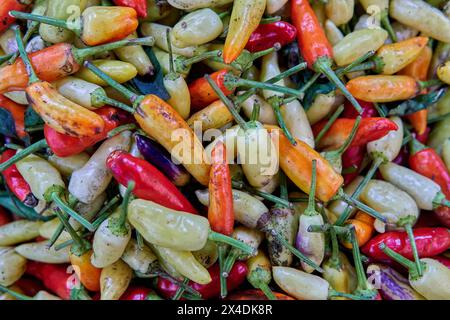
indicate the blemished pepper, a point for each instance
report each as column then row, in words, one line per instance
column 19, row 231
column 114, row 280
column 16, row 183
column 150, row 183
column 12, row 266
column 98, row 24
column 8, row 5
column 260, row 273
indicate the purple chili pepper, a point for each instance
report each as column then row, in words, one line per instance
column 391, row 284
column 161, row 159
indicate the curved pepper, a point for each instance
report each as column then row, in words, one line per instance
column 269, row 34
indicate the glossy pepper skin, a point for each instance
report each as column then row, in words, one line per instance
column 151, row 184
column 139, row 5
column 427, row 162
column 16, row 183
column 370, row 129
column 269, row 34
column 64, row 145
column 138, row 293
column 429, row 241
column 8, row 5
column 17, row 111
column 4, row 217
column 202, row 94
column 211, row 290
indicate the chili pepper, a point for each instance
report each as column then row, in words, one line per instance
column 118, row 70
column 352, row 161
column 19, row 231
column 370, row 129
column 8, row 5
column 425, row 191
column 349, row 112
column 439, row 134
column 260, row 274
column 139, row 293
column 334, row 35
column 245, row 18
column 39, row 251
column 256, row 294
column 56, row 62
column 266, row 113
column 420, row 15
column 16, row 183
column 159, row 120
column 267, row 35
column 433, row 283
column 63, row 145
column 114, row 280
column 93, row 178
column 381, row 88
column 214, row 116
column 364, row 229
column 212, row 289
column 323, row 105
column 427, row 162
column 68, row 165
column 311, row 244
column 340, row 11
column 137, row 57
column 12, row 266
column 297, row 123
column 305, row 286
column 314, row 46
column 440, row 55
column 17, row 112
column 197, row 4
column 140, row 259
column 429, row 241
column 382, row 13
column 139, row 5
column 142, row 215
column 208, row 255
column 392, row 285
column 98, row 25
column 151, row 184
column 157, row 156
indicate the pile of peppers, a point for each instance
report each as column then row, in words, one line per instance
column 127, row 131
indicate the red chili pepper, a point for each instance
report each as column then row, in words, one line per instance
column 256, row 294
column 349, row 112
column 16, row 183
column 17, row 112
column 429, row 241
column 211, row 290
column 137, row 293
column 369, row 129
column 220, row 212
column 422, row 138
column 29, row 286
column 64, row 145
column 4, row 217
column 427, row 162
column 202, row 94
column 269, row 34
column 55, row 277
column 139, row 5
column 352, row 160
column 8, row 5
column 151, row 184
column 427, row 220
column 444, row 260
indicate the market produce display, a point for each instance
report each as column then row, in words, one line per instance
column 220, row 149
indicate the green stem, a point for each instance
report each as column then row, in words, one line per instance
column 25, row 39
column 14, row 294
column 309, row 83
column 387, row 26
column 297, row 253
column 223, row 275
column 429, row 83
column 350, row 138
column 311, row 209
column 23, row 54
column 80, row 245
column 361, row 206
column 276, row 103
column 283, row 187
column 361, row 276
column 139, row 240
column 324, row 66
column 335, row 260
column 266, row 290
column 99, row 98
column 267, row 196
column 333, row 293
column 355, row 64
column 183, row 63
column 23, row 154
column 233, row 82
column 329, row 123
column 47, row 20
column 380, row 110
column 218, row 237
column 125, row 127
column 359, row 189
column 60, row 203
column 255, row 111
column 180, row 290
column 55, row 235
column 6, row 58
column 122, row 89
column 124, row 206
column 230, row 260
column 230, row 106
column 411, row 266
column 412, row 241
column 105, row 212
column 270, row 20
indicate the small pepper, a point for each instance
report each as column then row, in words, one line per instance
column 267, row 35
column 9, row 5
column 18, row 114
column 139, row 5
column 260, row 273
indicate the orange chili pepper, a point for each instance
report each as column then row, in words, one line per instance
column 220, row 212
column 296, row 163
column 202, row 94
column 88, row 275
column 418, row 69
column 17, row 112
column 364, row 229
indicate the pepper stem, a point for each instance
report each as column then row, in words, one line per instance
column 23, row 54
column 169, row 46
column 415, row 146
column 23, row 154
column 122, row 89
column 218, row 237
column 361, row 206
column 64, row 207
column 230, row 106
column 105, row 212
column 350, row 138
column 267, row 196
column 255, row 111
column 266, row 290
column 411, row 266
column 82, row 54
column 387, row 26
column 80, row 246
column 429, row 83
column 361, row 276
column 14, row 293
column 297, row 253
column 311, row 209
column 283, row 187
column 329, row 123
column 184, row 63
column 6, row 57
column 230, row 260
column 412, row 241
column 333, row 293
column 334, row 259
column 275, row 103
column 183, row 285
column 346, row 214
column 124, row 205
column 130, row 126
column 355, row 64
column 180, row 290
column 47, row 20
column 324, row 65
column 223, row 275
column 99, row 98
